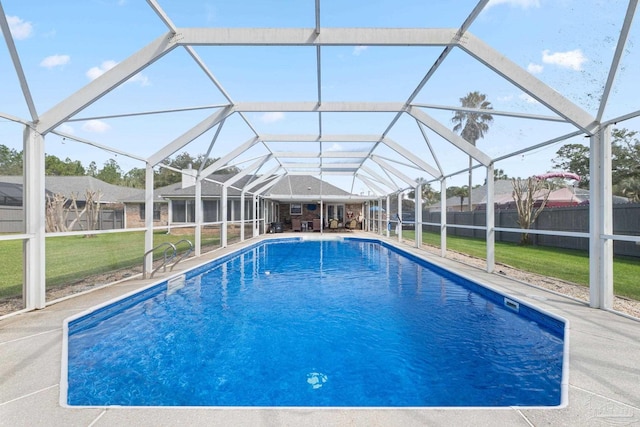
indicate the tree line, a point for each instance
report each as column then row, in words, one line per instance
column 11, row 164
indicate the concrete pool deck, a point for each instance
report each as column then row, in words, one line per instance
column 604, row 371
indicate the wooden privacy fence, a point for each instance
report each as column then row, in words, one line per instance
column 626, row 221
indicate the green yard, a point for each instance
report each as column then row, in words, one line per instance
column 72, row 258
column 565, row 264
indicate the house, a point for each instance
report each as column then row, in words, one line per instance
column 502, row 188
column 113, row 212
column 300, row 197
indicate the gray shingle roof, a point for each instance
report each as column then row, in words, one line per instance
column 80, row 184
column 287, row 186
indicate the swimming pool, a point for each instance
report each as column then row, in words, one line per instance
column 289, row 322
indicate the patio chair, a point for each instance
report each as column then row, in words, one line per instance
column 296, row 225
column 351, row 224
column 333, row 224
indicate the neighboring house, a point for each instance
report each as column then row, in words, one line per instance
column 501, row 188
column 291, row 197
column 113, row 210
column 503, row 198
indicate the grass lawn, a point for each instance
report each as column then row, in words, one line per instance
column 71, row 258
column 565, row 264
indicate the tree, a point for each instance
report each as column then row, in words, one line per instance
column 461, row 192
column 473, row 125
column 182, row 161
column 625, row 159
column 135, row 178
column 92, row 170
column 498, row 174
column 630, row 188
column 574, row 158
column 110, row 172
column 527, row 193
column 625, row 155
column 53, row 166
column 10, row 161
column 429, row 195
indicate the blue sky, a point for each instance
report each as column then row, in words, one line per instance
column 63, row 45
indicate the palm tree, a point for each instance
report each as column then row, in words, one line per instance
column 472, row 125
column 461, row 192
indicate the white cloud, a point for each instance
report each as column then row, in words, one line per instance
column 96, row 126
column 335, row 147
column 572, row 59
column 525, row 4
column 66, row 128
column 272, row 117
column 95, row 72
column 55, row 61
column 506, row 98
column 140, row 78
column 535, row 68
column 20, row 29
column 528, row 98
column 357, row 50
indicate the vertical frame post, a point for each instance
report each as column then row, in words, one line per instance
column 601, row 223
column 34, row 279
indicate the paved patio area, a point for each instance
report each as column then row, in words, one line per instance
column 604, row 373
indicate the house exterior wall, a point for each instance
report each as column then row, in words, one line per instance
column 133, row 218
column 309, row 213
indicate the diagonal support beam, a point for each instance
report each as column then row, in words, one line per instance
column 527, row 82
column 190, row 135
column 267, row 176
column 269, row 185
column 450, row 136
column 13, row 52
column 106, row 82
column 222, row 161
column 617, row 56
column 379, row 191
column 246, row 171
column 380, row 178
column 386, row 166
column 412, row 157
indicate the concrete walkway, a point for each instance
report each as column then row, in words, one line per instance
column 604, row 373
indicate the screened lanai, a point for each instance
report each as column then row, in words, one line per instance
column 360, row 96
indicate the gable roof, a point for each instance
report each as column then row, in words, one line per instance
column 67, row 185
column 294, row 187
column 301, row 186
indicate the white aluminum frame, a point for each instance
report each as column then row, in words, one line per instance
column 601, row 234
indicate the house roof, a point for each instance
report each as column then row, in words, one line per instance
column 67, row 185
column 305, row 186
column 295, row 187
column 501, row 188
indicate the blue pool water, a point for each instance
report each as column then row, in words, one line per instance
column 315, row 323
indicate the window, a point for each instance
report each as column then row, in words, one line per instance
column 295, row 209
column 156, row 211
column 210, row 210
column 183, row 210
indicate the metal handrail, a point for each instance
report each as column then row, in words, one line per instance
column 164, row 262
column 185, row 254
